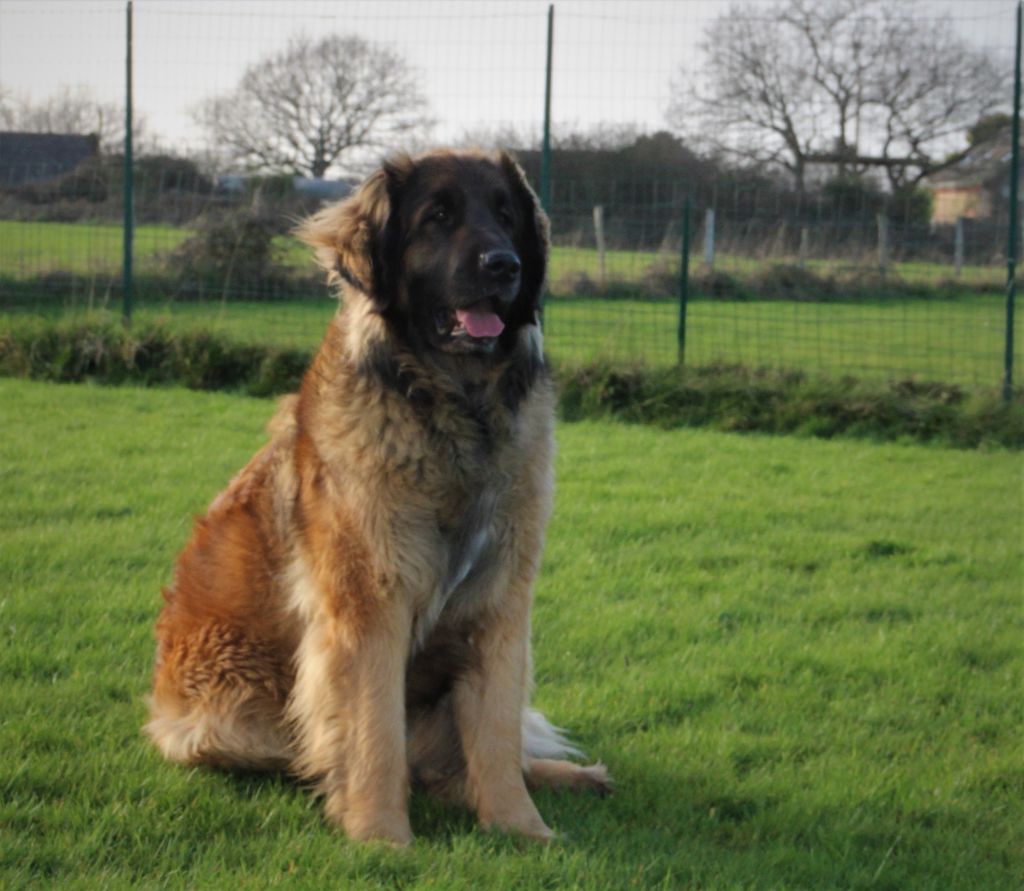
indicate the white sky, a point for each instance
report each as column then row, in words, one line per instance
column 482, row 62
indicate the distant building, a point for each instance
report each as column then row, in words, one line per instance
column 325, row 189
column 37, row 157
column 974, row 186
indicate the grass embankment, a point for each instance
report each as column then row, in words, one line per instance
column 729, row 397
column 960, row 342
column 801, row 660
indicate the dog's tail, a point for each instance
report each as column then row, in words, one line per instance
column 541, row 739
column 545, row 759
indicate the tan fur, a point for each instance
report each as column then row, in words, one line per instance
column 355, row 606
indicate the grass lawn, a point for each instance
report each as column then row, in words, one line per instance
column 954, row 341
column 801, row 660
column 28, row 249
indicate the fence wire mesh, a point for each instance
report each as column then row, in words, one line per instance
column 810, row 259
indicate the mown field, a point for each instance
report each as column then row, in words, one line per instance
column 801, row 660
column 29, row 249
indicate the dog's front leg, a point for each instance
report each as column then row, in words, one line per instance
column 349, row 707
column 489, row 701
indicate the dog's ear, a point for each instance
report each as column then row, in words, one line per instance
column 534, row 240
column 354, row 239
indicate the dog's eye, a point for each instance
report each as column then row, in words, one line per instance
column 440, row 214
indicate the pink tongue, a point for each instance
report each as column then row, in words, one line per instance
column 480, row 324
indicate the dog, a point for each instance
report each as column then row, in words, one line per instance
column 354, row 607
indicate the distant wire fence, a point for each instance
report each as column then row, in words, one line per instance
column 836, row 278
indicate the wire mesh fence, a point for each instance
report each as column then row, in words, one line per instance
column 827, row 257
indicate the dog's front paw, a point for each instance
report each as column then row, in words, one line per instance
column 390, row 827
column 524, row 822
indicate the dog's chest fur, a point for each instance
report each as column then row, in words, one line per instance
column 433, row 464
column 435, row 483
column 469, row 487
column 465, row 557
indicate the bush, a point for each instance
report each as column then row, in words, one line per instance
column 89, row 182
column 160, row 175
column 101, row 178
column 911, row 205
column 229, row 253
column 852, row 195
column 783, row 281
column 718, row 286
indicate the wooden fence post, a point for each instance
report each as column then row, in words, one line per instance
column 709, row 238
column 958, row 246
column 599, row 238
column 883, row 243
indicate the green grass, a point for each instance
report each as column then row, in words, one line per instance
column 29, row 249
column 801, row 660
column 623, row 266
column 955, row 341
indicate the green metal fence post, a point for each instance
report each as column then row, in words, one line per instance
column 1012, row 245
column 684, row 283
column 545, row 154
column 129, row 216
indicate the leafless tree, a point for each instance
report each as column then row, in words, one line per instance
column 849, row 83
column 8, row 115
column 567, row 135
column 306, row 109
column 71, row 109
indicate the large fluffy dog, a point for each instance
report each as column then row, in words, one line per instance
column 355, row 606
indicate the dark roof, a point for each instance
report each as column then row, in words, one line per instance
column 31, row 157
column 983, row 164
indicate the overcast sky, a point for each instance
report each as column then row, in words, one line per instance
column 481, row 63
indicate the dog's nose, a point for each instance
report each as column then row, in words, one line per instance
column 501, row 264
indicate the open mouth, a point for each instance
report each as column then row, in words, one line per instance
column 476, row 322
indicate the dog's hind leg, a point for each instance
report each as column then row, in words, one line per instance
column 218, row 700
column 221, row 732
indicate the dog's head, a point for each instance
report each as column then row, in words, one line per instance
column 450, row 248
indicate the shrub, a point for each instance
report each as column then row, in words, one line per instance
column 718, row 286
column 850, row 194
column 783, row 281
column 911, row 205
column 235, row 251
column 101, row 178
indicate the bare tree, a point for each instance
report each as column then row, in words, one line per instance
column 71, row 109
column 306, row 109
column 8, row 114
column 849, row 83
